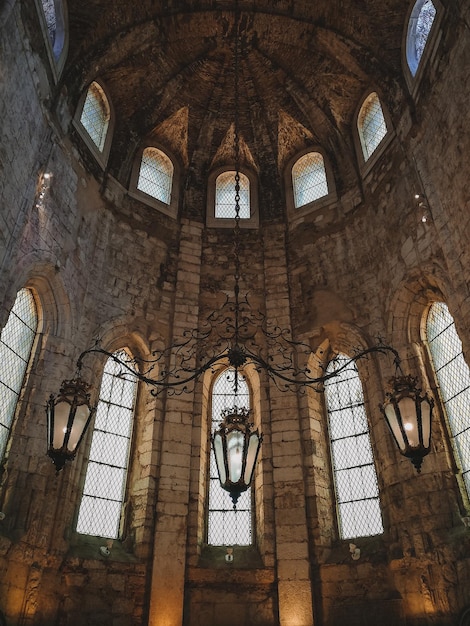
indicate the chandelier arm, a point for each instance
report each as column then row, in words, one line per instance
column 278, row 373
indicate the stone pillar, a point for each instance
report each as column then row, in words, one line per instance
column 292, row 547
column 169, row 557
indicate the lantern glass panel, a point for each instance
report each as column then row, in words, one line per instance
column 407, row 408
column 391, row 415
column 235, row 447
column 251, row 455
column 219, row 457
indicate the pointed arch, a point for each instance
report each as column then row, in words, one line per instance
column 371, row 125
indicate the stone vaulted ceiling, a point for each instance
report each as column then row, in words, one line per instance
column 304, row 66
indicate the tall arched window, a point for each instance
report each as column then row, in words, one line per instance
column 419, row 27
column 309, row 179
column 96, row 114
column 453, row 376
column 106, row 474
column 226, row 526
column 355, row 478
column 225, row 196
column 16, row 342
column 371, row 125
column 156, row 175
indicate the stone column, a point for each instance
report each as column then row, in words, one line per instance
column 169, row 557
column 292, row 548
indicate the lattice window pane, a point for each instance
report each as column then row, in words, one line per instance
column 16, row 341
column 225, row 196
column 309, row 179
column 453, row 376
column 95, row 115
column 48, row 7
column 224, row 525
column 156, row 175
column 105, row 480
column 357, row 491
column 371, row 124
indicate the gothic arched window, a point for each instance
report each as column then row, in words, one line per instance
column 453, row 376
column 105, row 481
column 309, row 179
column 226, row 526
column 16, row 342
column 355, row 478
column 371, row 125
column 156, row 175
column 419, row 27
column 96, row 114
column 225, row 196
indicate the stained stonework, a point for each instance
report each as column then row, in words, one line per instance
column 103, row 262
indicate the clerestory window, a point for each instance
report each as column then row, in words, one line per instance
column 371, row 125
column 226, row 526
column 309, row 179
column 156, row 175
column 355, row 478
column 453, row 376
column 96, row 114
column 105, row 481
column 225, row 196
column 16, row 342
column 53, row 12
column 419, row 26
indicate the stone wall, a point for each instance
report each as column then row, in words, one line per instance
column 103, row 264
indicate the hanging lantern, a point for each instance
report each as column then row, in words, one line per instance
column 408, row 414
column 236, row 449
column 68, row 417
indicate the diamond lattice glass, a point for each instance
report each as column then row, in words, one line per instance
column 95, row 115
column 105, row 480
column 309, row 179
column 372, row 127
column 156, row 174
column 224, row 525
column 357, row 492
column 16, row 341
column 225, row 196
column 423, row 27
column 453, row 376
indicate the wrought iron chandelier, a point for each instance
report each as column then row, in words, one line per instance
column 236, row 336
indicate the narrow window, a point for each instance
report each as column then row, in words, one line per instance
column 309, row 179
column 419, row 27
column 105, row 480
column 96, row 115
column 371, row 125
column 225, row 196
column 453, row 376
column 16, row 342
column 54, row 16
column 357, row 492
column 225, row 525
column 156, row 175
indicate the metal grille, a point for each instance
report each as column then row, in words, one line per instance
column 105, row 481
column 48, row 8
column 423, row 27
column 227, row 526
column 372, row 127
column 225, row 196
column 453, row 376
column 156, row 174
column 357, row 492
column 16, row 341
column 95, row 115
column 309, row 179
